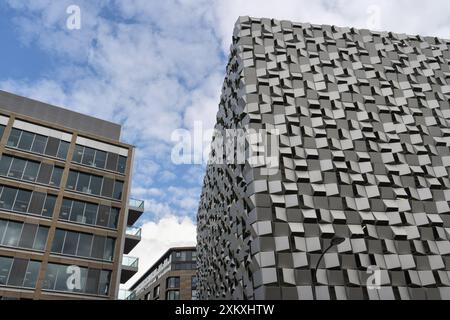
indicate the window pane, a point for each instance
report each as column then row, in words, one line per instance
column 85, row 244
column 39, row 144
column 49, row 206
column 14, row 137
column 3, row 224
column 7, row 198
column 72, row 180
column 77, row 212
column 63, row 149
column 90, row 213
column 96, row 184
column 118, row 185
column 45, row 173
column 58, row 241
column 17, row 168
column 66, row 206
column 26, row 140
column 12, row 234
column 83, row 182
column 113, row 218
column 5, row 163
column 52, row 147
column 18, row 269
column 98, row 247
column 32, row 274
column 109, row 249
column 41, row 238
column 61, row 280
column 50, row 277
column 88, row 156
column 55, row 180
column 31, row 171
column 105, row 278
column 93, row 281
column 70, row 243
column 100, row 159
column 78, row 153
column 22, row 201
column 37, row 203
column 2, row 130
column 111, row 163
column 122, row 164
column 108, row 185
column 103, row 215
column 5, row 266
column 28, row 235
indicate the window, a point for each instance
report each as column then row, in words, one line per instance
column 2, row 130
column 83, row 245
column 92, row 184
column 22, row 200
column 36, row 143
column 27, row 170
column 93, row 281
column 89, row 213
column 156, row 292
column 18, row 272
column 173, row 295
column 173, row 282
column 99, row 159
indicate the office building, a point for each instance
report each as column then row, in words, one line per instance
column 362, row 122
column 65, row 214
column 172, row 277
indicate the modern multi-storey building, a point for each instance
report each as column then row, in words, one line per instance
column 362, row 122
column 65, row 213
column 172, row 277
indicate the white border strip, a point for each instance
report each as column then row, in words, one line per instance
column 4, row 120
column 102, row 146
column 19, row 124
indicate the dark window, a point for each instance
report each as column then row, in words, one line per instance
column 2, row 130
column 108, row 186
column 39, row 144
column 93, row 280
column 45, row 173
column 70, row 243
column 18, row 270
column 103, row 215
column 31, row 274
column 28, row 235
column 72, row 180
column 50, row 277
column 113, row 218
column 173, row 295
column 66, row 207
column 78, row 154
column 109, row 249
column 52, row 147
column 5, row 267
column 105, row 279
column 12, row 234
column 37, row 203
column 61, row 280
column 58, row 241
column 49, row 206
column 111, row 163
column 7, row 198
column 63, row 149
column 17, row 168
column 88, row 156
column 83, row 182
column 173, row 282
column 31, row 171
column 41, row 238
column 100, row 159
column 194, row 283
column 90, row 213
column 14, row 137
column 85, row 244
column 118, row 186
column 96, row 185
column 26, row 140
column 122, row 164
column 77, row 214
column 98, row 247
column 5, row 163
column 55, row 180
column 22, row 201
column 3, row 224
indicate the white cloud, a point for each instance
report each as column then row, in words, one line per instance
column 158, row 237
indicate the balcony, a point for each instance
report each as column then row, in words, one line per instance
column 132, row 238
column 129, row 268
column 135, row 210
column 126, row 294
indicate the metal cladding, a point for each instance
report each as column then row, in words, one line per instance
column 364, row 136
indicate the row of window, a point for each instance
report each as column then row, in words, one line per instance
column 28, row 202
column 92, row 281
column 96, row 185
column 18, row 272
column 184, row 266
column 23, row 235
column 83, row 245
column 37, row 143
column 184, row 256
column 32, row 171
column 89, row 213
column 99, row 159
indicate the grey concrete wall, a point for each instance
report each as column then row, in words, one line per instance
column 60, row 116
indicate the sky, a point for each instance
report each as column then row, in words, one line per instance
column 156, row 67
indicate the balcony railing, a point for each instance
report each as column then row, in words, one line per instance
column 136, row 203
column 131, row 262
column 136, row 232
column 124, row 294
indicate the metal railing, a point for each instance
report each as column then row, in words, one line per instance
column 136, row 203
column 136, row 232
column 132, row 262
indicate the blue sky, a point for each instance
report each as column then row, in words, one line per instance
column 158, row 66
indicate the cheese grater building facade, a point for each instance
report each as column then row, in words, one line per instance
column 362, row 121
